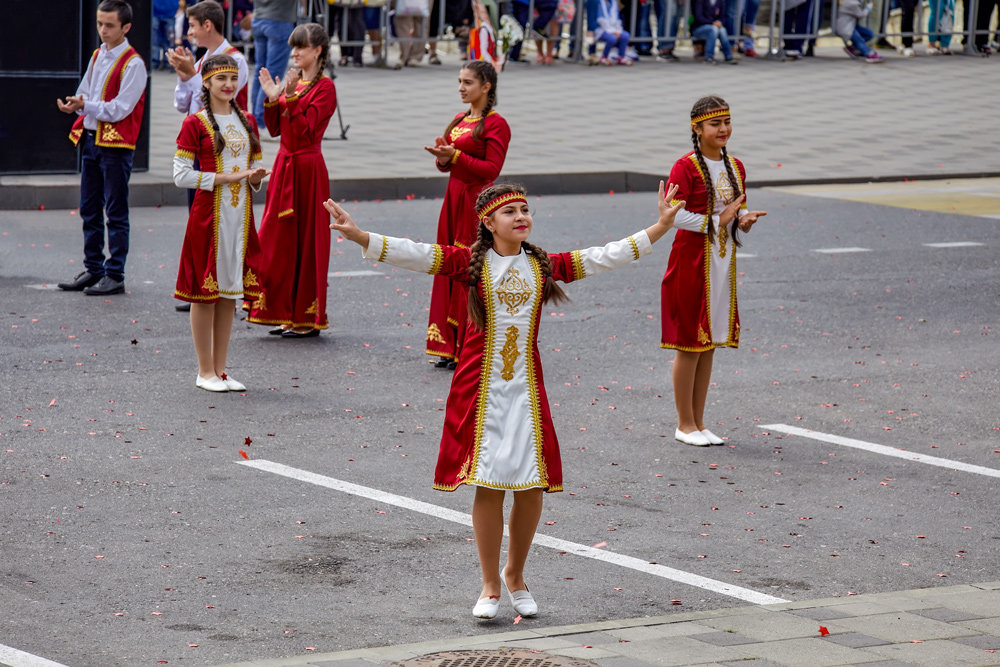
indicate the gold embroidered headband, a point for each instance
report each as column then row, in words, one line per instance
column 225, row 69
column 502, row 200
column 711, row 114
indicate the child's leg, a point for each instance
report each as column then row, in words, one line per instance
column 524, row 516
column 609, row 43
column 202, row 326
column 487, row 526
column 623, row 40
column 702, row 378
column 685, row 370
column 222, row 327
column 727, row 48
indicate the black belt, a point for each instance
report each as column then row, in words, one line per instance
column 92, row 133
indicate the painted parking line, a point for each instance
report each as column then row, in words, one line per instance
column 14, row 658
column 882, row 449
column 838, row 251
column 954, row 244
column 439, row 512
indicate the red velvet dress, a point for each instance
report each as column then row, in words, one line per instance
column 220, row 256
column 498, row 430
column 698, row 292
column 474, row 168
column 295, row 228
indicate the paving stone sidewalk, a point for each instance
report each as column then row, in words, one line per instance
column 948, row 626
column 580, row 129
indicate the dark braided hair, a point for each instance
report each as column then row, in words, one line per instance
column 551, row 291
column 209, row 64
column 486, row 73
column 705, row 105
column 310, row 35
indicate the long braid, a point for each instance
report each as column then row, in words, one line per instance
column 709, row 188
column 737, row 191
column 551, row 290
column 491, row 100
column 217, row 141
column 254, row 141
column 484, row 241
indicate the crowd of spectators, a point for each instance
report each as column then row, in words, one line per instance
column 615, row 31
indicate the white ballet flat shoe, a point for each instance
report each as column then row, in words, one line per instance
column 524, row 603
column 711, row 437
column 694, row 438
column 487, row 607
column 211, row 384
column 236, row 385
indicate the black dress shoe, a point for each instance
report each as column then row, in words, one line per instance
column 80, row 280
column 276, row 331
column 106, row 286
column 292, row 334
column 183, row 307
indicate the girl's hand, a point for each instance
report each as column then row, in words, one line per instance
column 291, row 81
column 441, row 150
column 749, row 219
column 344, row 224
column 730, row 212
column 667, row 211
column 270, row 85
column 255, row 176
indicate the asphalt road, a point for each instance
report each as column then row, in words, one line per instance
column 131, row 534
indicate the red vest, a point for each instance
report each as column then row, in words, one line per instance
column 125, row 132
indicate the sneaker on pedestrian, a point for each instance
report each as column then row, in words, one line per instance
column 852, row 52
column 732, row 61
column 750, row 53
column 908, row 52
column 711, row 61
column 874, row 57
column 669, row 56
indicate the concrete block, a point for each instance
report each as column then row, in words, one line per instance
column 679, row 651
column 936, row 653
column 766, row 625
column 900, row 627
column 803, row 653
column 660, row 631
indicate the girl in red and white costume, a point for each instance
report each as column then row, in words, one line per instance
column 498, row 432
column 220, row 251
column 699, row 288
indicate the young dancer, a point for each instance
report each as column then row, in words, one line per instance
column 108, row 103
column 294, row 233
column 472, row 150
column 218, row 258
column 206, row 28
column 699, row 288
column 498, row 433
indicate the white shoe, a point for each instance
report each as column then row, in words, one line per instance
column 908, row 52
column 711, row 437
column 234, row 385
column 694, row 438
column 211, row 384
column 487, row 607
column 524, row 603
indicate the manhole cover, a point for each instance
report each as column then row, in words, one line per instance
column 504, row 657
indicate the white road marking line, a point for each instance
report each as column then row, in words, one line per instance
column 991, row 216
column 837, row 251
column 882, row 449
column 953, row 244
column 353, row 274
column 14, row 658
column 679, row 576
column 42, row 286
column 745, row 255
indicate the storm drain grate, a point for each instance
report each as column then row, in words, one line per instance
column 503, row 657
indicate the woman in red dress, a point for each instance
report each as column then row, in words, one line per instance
column 294, row 233
column 472, row 150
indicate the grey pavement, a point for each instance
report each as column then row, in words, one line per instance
column 579, row 129
column 954, row 625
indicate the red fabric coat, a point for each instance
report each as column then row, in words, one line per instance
column 683, row 291
column 295, row 228
column 474, row 168
column 196, row 277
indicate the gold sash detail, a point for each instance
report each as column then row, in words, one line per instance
column 509, row 354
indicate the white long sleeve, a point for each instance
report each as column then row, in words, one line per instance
column 186, row 177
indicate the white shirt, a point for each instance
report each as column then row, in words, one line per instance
column 187, row 94
column 133, row 85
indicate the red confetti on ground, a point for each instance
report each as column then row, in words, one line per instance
column 676, row 602
column 823, row 631
column 247, row 441
column 244, row 455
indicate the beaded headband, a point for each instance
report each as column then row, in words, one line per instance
column 711, row 114
column 502, row 200
column 225, row 69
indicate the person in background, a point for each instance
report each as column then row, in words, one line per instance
column 354, row 30
column 855, row 35
column 611, row 31
column 273, row 22
column 708, row 15
column 409, row 20
column 164, row 12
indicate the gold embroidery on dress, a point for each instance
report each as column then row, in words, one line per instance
column 234, row 189
column 458, row 131
column 513, row 291
column 109, row 133
column 313, row 308
column 250, row 280
column 723, row 241
column 464, row 470
column 260, row 304
column 434, row 334
column 724, row 189
column 703, row 337
column 236, row 142
column 509, row 354
column 210, row 285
